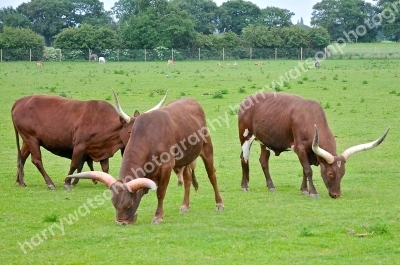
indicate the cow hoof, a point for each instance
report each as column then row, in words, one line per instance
column 184, row 209
column 67, row 186
column 52, row 187
column 305, row 192
column 220, row 207
column 272, row 189
column 156, row 221
column 245, row 189
column 23, row 185
column 314, row 195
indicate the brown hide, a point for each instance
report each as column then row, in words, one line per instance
column 181, row 124
column 69, row 128
column 281, row 122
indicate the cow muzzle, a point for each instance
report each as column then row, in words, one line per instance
column 334, row 195
column 127, row 222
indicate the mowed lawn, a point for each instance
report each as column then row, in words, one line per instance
column 361, row 99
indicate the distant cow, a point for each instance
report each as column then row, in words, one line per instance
column 317, row 64
column 69, row 128
column 40, row 64
column 282, row 122
column 102, row 60
column 149, row 159
column 93, row 57
column 171, row 62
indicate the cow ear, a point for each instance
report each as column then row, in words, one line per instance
column 136, row 114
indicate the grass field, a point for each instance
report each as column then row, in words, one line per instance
column 361, row 99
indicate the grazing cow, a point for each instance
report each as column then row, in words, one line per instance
column 171, row 62
column 69, row 128
column 40, row 64
column 94, row 57
column 283, row 122
column 102, row 60
column 149, row 159
column 317, row 64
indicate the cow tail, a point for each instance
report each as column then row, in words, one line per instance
column 19, row 160
column 194, row 181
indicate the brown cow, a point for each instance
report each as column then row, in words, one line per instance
column 149, row 159
column 68, row 128
column 283, row 122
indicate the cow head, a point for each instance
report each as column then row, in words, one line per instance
column 333, row 167
column 125, row 196
column 127, row 121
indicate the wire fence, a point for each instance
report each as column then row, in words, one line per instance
column 163, row 54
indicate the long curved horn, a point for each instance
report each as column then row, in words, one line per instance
column 319, row 151
column 159, row 104
column 96, row 175
column 121, row 113
column 362, row 147
column 140, row 183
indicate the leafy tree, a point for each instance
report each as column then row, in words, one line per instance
column 343, row 17
column 318, row 37
column 158, row 24
column 19, row 41
column 48, row 17
column 124, row 9
column 294, row 37
column 389, row 20
column 235, row 15
column 91, row 12
column 86, row 37
column 202, row 12
column 10, row 17
column 262, row 37
column 274, row 17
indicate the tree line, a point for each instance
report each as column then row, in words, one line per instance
column 148, row 24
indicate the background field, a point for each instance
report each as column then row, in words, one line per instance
column 360, row 98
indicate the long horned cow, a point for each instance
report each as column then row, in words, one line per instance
column 283, row 122
column 79, row 130
column 170, row 138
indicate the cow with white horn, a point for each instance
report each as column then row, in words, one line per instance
column 283, row 122
column 163, row 140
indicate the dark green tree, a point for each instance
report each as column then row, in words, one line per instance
column 11, row 18
column 19, row 41
column 345, row 19
column 318, row 37
column 49, row 17
column 86, row 37
column 158, row 23
column 235, row 15
column 202, row 12
column 91, row 12
column 274, row 17
column 389, row 19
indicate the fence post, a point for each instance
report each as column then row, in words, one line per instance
column 145, row 55
column 251, row 53
column 276, row 53
column 60, row 55
column 30, row 55
column 90, row 54
column 223, row 54
column 199, row 54
column 325, row 53
column 1, row 55
column 172, row 53
column 301, row 53
column 118, row 54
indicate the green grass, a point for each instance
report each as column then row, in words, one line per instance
column 257, row 227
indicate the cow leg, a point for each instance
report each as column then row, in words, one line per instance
column 208, row 159
column 244, row 157
column 307, row 175
column 264, row 157
column 187, row 181
column 36, row 157
column 80, row 167
column 161, row 190
column 77, row 157
column 21, row 163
